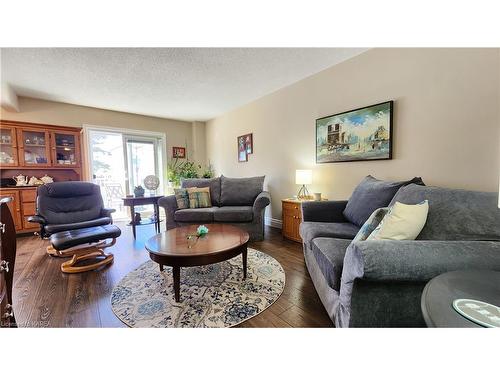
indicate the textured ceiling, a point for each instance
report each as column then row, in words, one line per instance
column 179, row 83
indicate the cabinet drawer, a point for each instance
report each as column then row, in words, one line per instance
column 294, row 213
column 291, row 206
column 28, row 195
column 14, row 207
column 29, row 208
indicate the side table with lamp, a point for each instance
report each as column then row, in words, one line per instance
column 291, row 210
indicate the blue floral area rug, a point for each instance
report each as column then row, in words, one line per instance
column 211, row 296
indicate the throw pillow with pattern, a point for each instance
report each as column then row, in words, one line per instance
column 371, row 224
column 182, row 198
column 199, row 197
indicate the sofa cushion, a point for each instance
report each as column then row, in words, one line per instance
column 402, row 223
column 237, row 214
column 455, row 214
column 199, row 197
column 371, row 224
column 195, row 215
column 329, row 254
column 310, row 230
column 240, row 191
column 55, row 228
column 212, row 183
column 182, row 198
column 67, row 239
column 371, row 194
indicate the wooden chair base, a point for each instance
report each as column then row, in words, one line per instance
column 71, row 267
column 81, row 253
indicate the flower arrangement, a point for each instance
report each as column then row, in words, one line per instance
column 201, row 231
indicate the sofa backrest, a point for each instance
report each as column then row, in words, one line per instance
column 455, row 214
column 212, row 183
column 69, row 202
column 240, row 191
column 370, row 195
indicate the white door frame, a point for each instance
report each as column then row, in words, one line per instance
column 134, row 133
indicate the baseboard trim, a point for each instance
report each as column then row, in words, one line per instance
column 275, row 223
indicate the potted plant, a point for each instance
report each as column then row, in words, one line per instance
column 178, row 170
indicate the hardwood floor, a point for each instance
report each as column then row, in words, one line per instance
column 45, row 297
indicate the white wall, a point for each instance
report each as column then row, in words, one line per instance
column 445, row 123
column 178, row 133
column 8, row 98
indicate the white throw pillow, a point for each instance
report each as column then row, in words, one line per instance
column 402, row 222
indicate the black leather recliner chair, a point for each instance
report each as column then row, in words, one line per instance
column 72, row 214
column 69, row 205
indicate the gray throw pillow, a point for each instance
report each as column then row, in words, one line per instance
column 372, row 194
column 240, row 191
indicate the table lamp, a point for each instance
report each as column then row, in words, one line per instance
column 303, row 177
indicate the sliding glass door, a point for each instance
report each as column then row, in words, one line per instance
column 119, row 162
column 142, row 159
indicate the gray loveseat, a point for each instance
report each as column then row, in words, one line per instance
column 379, row 283
column 237, row 201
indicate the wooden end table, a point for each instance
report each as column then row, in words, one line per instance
column 291, row 217
column 142, row 201
column 173, row 248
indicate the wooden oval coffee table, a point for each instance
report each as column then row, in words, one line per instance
column 173, row 248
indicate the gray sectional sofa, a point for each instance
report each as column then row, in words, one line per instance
column 378, row 283
column 237, row 201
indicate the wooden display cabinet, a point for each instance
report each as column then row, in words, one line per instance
column 36, row 150
column 65, row 149
column 34, row 147
column 8, row 147
column 39, row 146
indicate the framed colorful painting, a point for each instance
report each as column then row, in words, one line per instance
column 356, row 135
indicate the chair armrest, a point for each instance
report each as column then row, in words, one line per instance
column 418, row 261
column 169, row 203
column 107, row 212
column 261, row 202
column 37, row 219
column 324, row 211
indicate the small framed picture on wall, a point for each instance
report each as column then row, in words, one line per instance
column 245, row 146
column 242, row 150
column 248, row 142
column 179, row 152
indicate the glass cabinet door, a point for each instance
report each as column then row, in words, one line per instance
column 65, row 148
column 8, row 147
column 33, row 147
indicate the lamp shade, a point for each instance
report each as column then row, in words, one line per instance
column 303, row 177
